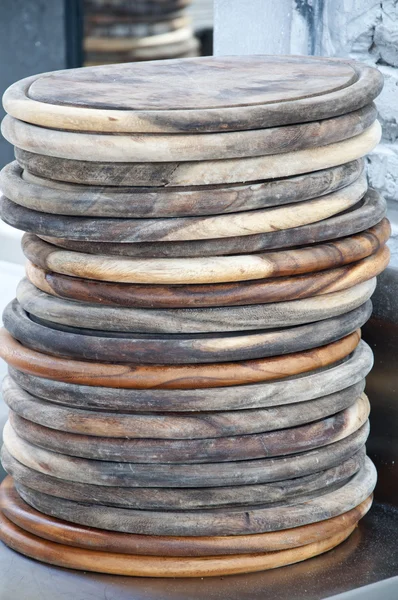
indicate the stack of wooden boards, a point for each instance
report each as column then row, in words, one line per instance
column 186, row 371
column 119, row 31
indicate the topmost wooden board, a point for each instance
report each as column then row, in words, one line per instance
column 194, row 95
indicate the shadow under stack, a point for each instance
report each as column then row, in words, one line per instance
column 119, row 31
column 186, row 371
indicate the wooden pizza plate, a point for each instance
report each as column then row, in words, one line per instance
column 159, row 97
column 241, row 224
column 199, row 475
column 95, row 345
column 215, row 269
column 205, row 172
column 173, row 376
column 293, row 391
column 49, row 196
column 145, row 498
column 184, row 147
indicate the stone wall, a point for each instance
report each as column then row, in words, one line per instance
column 367, row 31
column 362, row 29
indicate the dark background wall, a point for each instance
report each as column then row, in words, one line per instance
column 36, row 36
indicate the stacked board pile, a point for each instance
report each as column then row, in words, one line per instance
column 119, row 31
column 186, row 371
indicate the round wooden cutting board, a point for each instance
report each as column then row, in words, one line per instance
column 24, row 516
column 329, row 380
column 194, row 95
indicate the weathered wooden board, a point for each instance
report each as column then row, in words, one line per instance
column 365, row 214
column 87, row 344
column 138, row 98
column 206, row 172
column 233, row 521
column 184, row 498
column 215, row 269
column 175, row 425
column 49, row 196
column 191, row 320
column 234, row 294
column 149, row 566
column 208, row 450
column 21, row 514
column 173, row 377
column 199, row 475
column 330, row 380
column 185, row 296
column 159, row 148
column 239, row 224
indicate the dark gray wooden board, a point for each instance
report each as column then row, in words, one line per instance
column 88, row 344
column 185, row 229
column 191, row 475
column 152, row 451
column 191, row 320
column 175, row 425
column 287, row 391
column 187, row 499
column 233, row 521
column 49, row 196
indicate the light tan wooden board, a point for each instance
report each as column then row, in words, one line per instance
column 185, row 147
column 215, row 269
column 205, row 172
column 185, row 95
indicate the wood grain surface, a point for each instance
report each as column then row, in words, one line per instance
column 185, row 228
column 233, row 521
column 88, row 344
column 191, row 320
column 367, row 213
column 174, row 376
column 184, row 498
column 185, row 147
column 199, row 475
column 216, row 269
column 235, row 294
column 209, row 450
column 206, row 172
column 329, row 380
column 144, row 566
column 174, row 425
column 21, row 514
column 49, row 196
column 126, row 98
